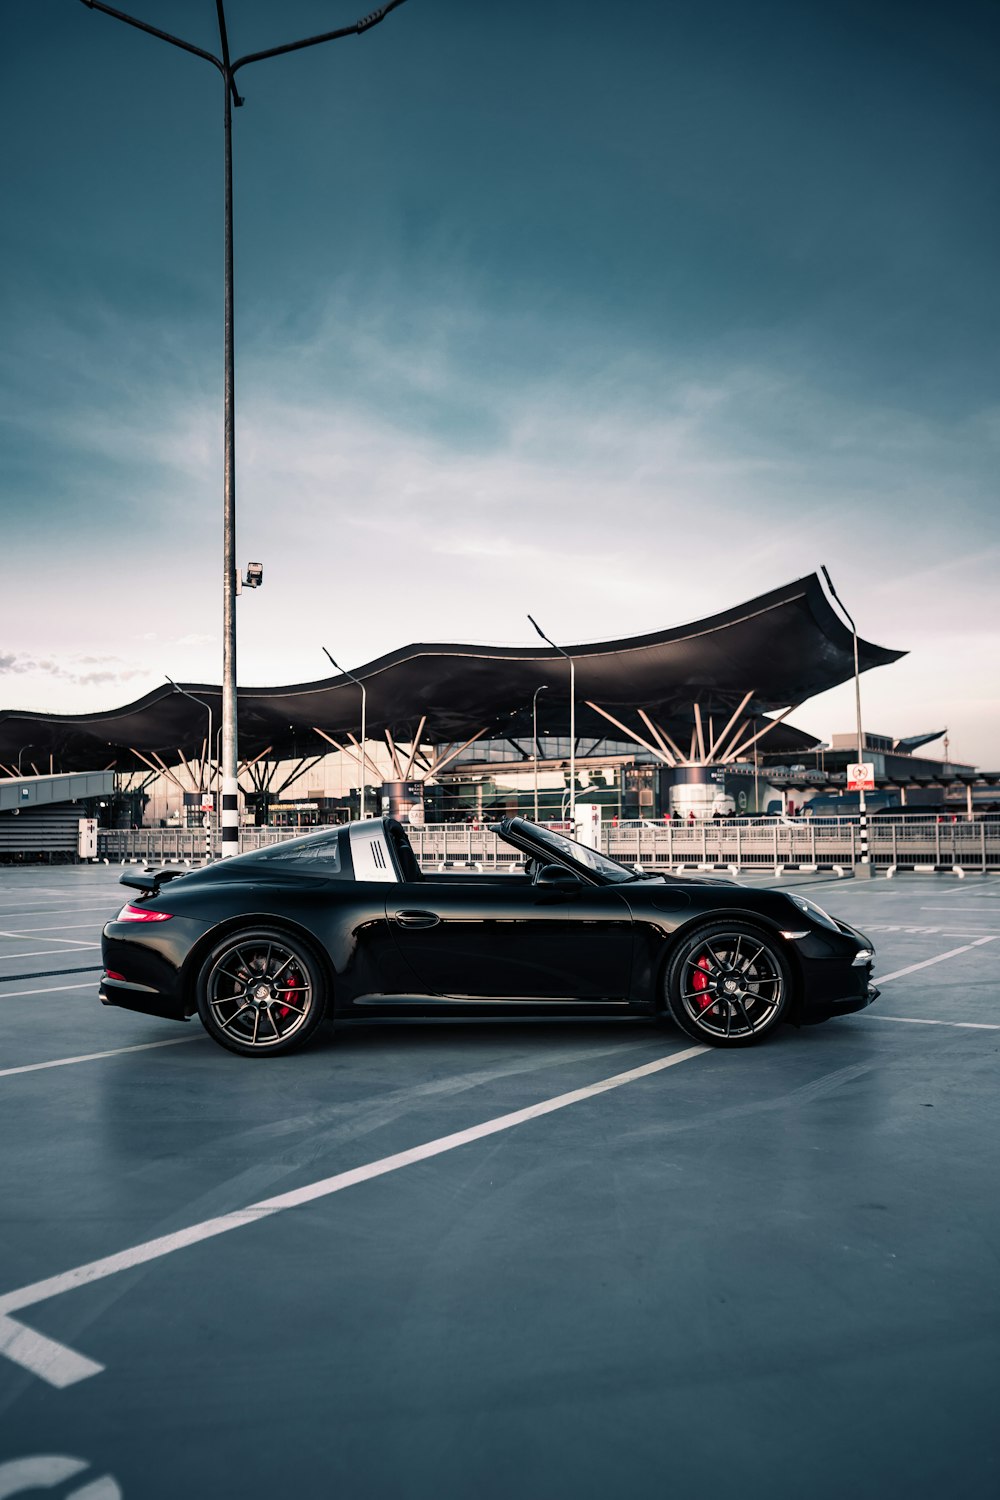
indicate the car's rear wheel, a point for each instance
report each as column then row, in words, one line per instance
column 728, row 984
column 261, row 992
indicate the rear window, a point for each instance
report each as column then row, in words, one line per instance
column 316, row 854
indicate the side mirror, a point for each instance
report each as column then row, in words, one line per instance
column 556, row 881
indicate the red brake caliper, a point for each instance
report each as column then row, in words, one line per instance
column 293, row 984
column 699, row 982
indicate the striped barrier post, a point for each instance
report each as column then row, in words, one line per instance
column 230, row 820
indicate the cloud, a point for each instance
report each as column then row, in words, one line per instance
column 83, row 671
column 432, row 476
column 663, row 487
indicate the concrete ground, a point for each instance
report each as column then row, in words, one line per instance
column 770, row 1272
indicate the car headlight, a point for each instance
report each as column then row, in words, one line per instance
column 812, row 910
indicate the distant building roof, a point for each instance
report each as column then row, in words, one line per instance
column 781, row 648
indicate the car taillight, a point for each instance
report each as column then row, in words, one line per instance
column 114, row 974
column 132, row 913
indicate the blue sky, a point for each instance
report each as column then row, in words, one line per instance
column 615, row 315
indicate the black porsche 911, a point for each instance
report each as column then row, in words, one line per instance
column 343, row 923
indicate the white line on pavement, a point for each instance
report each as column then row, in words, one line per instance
column 52, row 989
column 61, row 1366
column 67, row 911
column 978, row 911
column 927, row 931
column 939, row 959
column 29, row 935
column 8, row 958
column 65, row 1062
column 23, row 932
column 51, row 1360
column 972, row 883
column 921, row 1021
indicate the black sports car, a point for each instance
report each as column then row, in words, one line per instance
column 344, row 923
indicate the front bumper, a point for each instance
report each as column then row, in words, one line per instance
column 837, row 974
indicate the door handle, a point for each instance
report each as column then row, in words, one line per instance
column 417, row 919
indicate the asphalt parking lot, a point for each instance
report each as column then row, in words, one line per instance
column 770, row 1272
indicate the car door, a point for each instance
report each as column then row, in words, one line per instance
column 503, row 938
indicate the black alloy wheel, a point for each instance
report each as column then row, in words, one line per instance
column 261, row 993
column 728, row 984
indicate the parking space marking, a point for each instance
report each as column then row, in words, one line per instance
column 921, row 1021
column 7, row 958
column 909, row 927
column 977, row 911
column 924, row 931
column 23, row 932
column 44, row 1357
column 68, row 911
column 62, row 1366
column 53, row 989
column 938, row 959
column 52, row 973
column 985, row 882
column 66, row 1062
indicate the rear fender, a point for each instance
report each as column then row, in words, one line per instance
column 205, row 944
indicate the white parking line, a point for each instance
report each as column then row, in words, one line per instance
column 22, row 932
column 925, row 931
column 973, row 883
column 65, row 1062
column 978, row 911
column 52, row 989
column 939, row 959
column 53, row 1361
column 61, row 1366
column 68, row 911
column 921, row 1021
column 46, row 953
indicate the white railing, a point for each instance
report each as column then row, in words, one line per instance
column 745, row 843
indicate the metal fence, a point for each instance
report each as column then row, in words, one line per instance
column 179, row 845
column 821, row 844
column 741, row 843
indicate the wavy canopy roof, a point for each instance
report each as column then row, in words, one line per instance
column 783, row 648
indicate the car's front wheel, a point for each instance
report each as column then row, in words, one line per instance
column 728, row 984
column 261, row 992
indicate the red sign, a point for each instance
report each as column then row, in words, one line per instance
column 861, row 778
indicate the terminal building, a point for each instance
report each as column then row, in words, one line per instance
column 695, row 720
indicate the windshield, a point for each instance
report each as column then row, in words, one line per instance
column 562, row 848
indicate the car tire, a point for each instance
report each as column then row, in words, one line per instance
column 728, row 984
column 261, row 992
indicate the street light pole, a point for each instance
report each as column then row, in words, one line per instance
column 364, row 711
column 534, row 739
column 572, row 719
column 230, row 816
column 229, row 812
column 862, row 806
